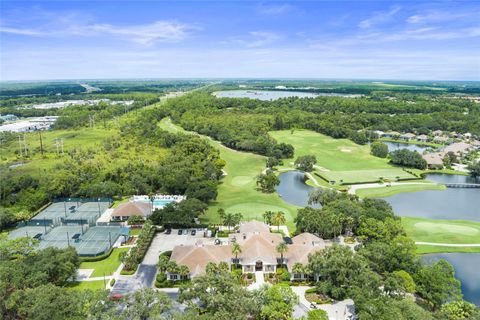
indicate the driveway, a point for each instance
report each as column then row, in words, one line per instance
column 147, row 270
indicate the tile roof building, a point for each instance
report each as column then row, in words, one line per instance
column 126, row 210
column 258, row 247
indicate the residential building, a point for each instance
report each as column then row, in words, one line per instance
column 407, row 136
column 441, row 139
column 422, row 138
column 437, row 133
column 259, row 253
column 459, row 148
column 434, row 160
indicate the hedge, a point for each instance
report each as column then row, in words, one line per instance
column 97, row 258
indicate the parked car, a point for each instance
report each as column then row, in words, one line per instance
column 168, row 231
column 180, row 232
column 194, row 232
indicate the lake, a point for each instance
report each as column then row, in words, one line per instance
column 466, row 270
column 268, row 95
column 393, row 146
column 452, row 203
column 293, row 189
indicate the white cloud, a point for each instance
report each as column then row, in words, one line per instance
column 436, row 16
column 274, row 9
column 255, row 39
column 146, row 34
column 379, row 17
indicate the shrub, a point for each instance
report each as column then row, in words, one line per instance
column 166, row 253
column 317, row 315
column 135, row 220
column 311, row 290
column 249, row 276
column 285, row 276
column 128, row 272
column 112, row 282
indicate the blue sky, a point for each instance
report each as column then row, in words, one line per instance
column 410, row 40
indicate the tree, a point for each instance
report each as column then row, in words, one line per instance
column 407, row 158
column 359, row 138
column 163, row 262
column 218, row 295
column 449, row 159
column 145, row 304
column 236, row 250
column 282, row 248
column 135, row 220
column 272, row 162
column 232, row 219
column 317, row 315
column 268, row 181
column 379, row 149
column 436, row 284
column 474, row 169
column 457, row 310
column 268, row 217
column 277, row 302
column 221, row 213
column 278, row 219
column 305, row 163
column 7, row 218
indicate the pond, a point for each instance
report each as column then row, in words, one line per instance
column 267, row 95
column 393, row 146
column 466, row 270
column 293, row 189
column 452, row 203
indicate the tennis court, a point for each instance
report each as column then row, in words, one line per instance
column 29, row 231
column 76, row 211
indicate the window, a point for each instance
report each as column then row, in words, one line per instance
column 173, row 277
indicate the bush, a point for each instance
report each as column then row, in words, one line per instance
column 166, row 253
column 285, row 276
column 97, row 258
column 317, row 315
column 379, row 149
column 311, row 290
column 125, row 272
column 112, row 282
column 249, row 276
column 135, row 220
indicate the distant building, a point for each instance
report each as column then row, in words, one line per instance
column 459, row 148
column 441, row 139
column 422, row 138
column 8, row 117
column 407, row 136
column 434, row 160
column 392, row 134
column 437, row 133
column 36, row 124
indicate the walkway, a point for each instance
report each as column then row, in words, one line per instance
column 259, row 281
column 449, row 244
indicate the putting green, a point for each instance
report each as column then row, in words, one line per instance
column 442, row 231
column 435, row 228
column 340, row 160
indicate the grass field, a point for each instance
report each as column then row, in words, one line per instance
column 442, row 231
column 106, row 266
column 383, row 192
column 237, row 191
column 340, row 160
column 424, row 249
column 87, row 285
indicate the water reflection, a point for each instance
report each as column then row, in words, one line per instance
column 293, row 189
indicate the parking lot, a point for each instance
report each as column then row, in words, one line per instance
column 145, row 276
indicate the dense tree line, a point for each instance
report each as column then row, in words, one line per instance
column 243, row 123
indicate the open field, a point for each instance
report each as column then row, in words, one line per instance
column 383, row 192
column 237, row 192
column 442, row 231
column 340, row 160
column 106, row 266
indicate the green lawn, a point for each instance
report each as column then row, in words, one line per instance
column 442, row 231
column 106, row 266
column 87, row 285
column 383, row 192
column 340, row 160
column 237, row 191
column 424, row 249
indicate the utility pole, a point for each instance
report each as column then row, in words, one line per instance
column 41, row 142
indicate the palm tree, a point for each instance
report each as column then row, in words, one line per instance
column 163, row 263
column 229, row 220
column 183, row 271
column 298, row 268
column 236, row 250
column 282, row 248
column 278, row 219
column 268, row 216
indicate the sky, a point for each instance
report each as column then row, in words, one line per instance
column 408, row 40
